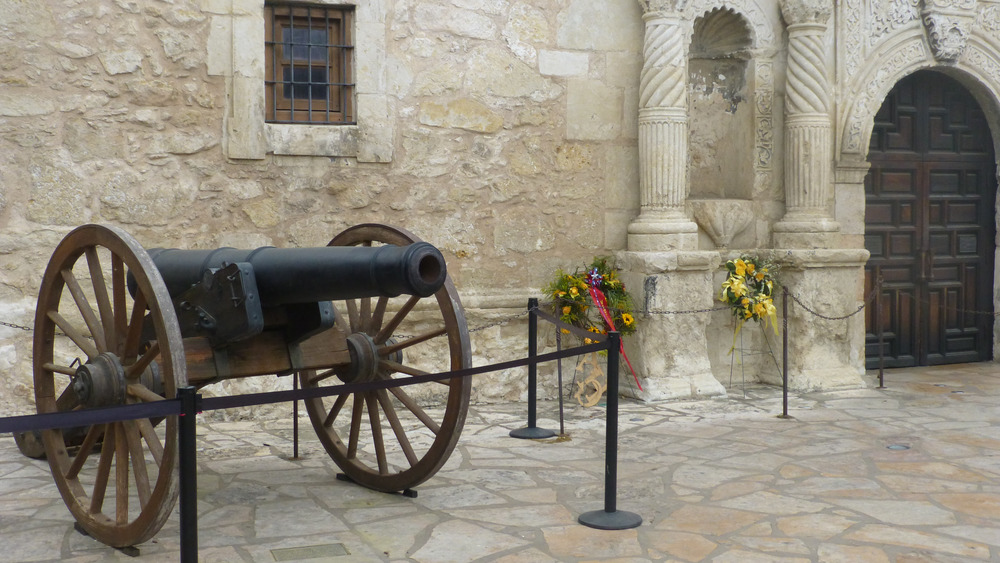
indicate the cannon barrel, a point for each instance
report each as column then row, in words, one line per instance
column 308, row 275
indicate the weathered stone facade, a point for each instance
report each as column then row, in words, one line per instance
column 517, row 136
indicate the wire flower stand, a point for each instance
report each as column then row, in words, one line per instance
column 744, row 352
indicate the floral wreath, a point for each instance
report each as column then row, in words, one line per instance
column 573, row 300
column 749, row 289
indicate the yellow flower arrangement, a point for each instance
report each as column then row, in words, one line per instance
column 749, row 290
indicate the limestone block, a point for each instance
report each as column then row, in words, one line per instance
column 514, row 232
column 264, row 213
column 494, row 71
column 219, row 46
column 670, row 351
column 849, row 209
column 593, row 111
column 464, row 23
column 58, row 196
column 622, row 188
column 370, row 58
column 462, row 114
column 824, row 353
column 23, row 102
column 563, row 63
column 438, row 80
column 70, row 49
column 126, row 197
column 621, row 26
column 121, row 62
column 526, row 27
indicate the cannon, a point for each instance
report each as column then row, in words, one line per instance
column 117, row 324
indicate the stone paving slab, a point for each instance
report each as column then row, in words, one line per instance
column 714, row 480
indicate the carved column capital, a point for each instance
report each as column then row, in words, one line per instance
column 661, row 6
column 798, row 12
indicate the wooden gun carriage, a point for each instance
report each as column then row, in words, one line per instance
column 116, row 324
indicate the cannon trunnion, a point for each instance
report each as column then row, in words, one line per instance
column 116, row 324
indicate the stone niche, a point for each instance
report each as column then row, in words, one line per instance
column 720, row 108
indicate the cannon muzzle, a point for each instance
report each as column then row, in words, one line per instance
column 287, row 276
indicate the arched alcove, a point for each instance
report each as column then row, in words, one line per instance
column 720, row 107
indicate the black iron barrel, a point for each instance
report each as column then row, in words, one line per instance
column 308, row 275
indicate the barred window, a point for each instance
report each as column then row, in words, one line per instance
column 308, row 64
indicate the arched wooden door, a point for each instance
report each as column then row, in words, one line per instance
column 930, row 225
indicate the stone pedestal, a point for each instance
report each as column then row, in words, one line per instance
column 670, row 351
column 824, row 353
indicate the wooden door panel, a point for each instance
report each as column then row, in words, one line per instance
column 929, row 224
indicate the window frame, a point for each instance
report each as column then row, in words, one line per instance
column 337, row 106
column 236, row 52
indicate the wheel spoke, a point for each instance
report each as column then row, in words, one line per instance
column 142, row 363
column 83, row 305
column 397, row 428
column 65, row 370
column 413, row 407
column 365, row 315
column 151, row 439
column 103, row 470
column 101, row 295
column 353, row 317
column 317, row 378
column 377, row 316
column 376, row 425
column 78, row 338
column 403, row 344
column 121, row 475
column 130, row 348
column 143, row 393
column 135, row 452
column 335, row 410
column 402, row 368
column 93, row 433
column 393, row 323
column 352, row 442
column 119, row 289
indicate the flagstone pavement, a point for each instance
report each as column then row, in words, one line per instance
column 721, row 480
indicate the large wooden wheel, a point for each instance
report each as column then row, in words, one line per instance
column 96, row 344
column 391, row 440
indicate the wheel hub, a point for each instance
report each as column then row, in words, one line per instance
column 365, row 359
column 100, row 382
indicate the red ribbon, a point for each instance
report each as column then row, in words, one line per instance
column 601, row 301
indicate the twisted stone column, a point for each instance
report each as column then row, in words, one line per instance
column 808, row 131
column 663, row 136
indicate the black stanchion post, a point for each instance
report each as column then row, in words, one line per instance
column 532, row 432
column 878, row 324
column 188, row 473
column 611, row 518
column 784, row 352
column 295, row 417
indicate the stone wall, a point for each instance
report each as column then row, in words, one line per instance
column 513, row 150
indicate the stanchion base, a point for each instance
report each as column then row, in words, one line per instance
column 532, row 433
column 617, row 520
column 786, row 416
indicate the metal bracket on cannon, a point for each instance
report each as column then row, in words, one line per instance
column 224, row 306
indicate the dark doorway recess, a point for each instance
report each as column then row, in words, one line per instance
column 930, row 225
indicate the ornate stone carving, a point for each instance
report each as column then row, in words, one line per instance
column 891, row 67
column 887, row 17
column 806, row 11
column 948, row 23
column 853, row 30
column 989, row 19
